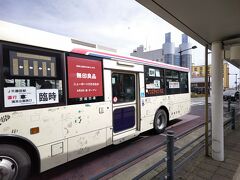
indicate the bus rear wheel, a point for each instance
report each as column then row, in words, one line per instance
column 160, row 121
column 15, row 163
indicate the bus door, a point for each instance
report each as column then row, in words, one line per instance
column 124, row 98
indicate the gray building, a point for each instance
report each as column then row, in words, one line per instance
column 186, row 58
column 168, row 49
column 155, row 55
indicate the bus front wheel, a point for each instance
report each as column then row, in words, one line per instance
column 160, row 121
column 15, row 163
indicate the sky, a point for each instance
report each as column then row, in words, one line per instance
column 119, row 24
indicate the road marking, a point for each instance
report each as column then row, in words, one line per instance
column 197, row 103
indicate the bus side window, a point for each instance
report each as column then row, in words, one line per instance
column 172, row 82
column 154, row 81
column 184, row 82
column 31, row 78
column 123, row 87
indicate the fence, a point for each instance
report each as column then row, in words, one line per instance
column 169, row 158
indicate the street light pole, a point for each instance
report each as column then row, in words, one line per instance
column 180, row 52
column 206, row 100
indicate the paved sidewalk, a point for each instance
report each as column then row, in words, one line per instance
column 201, row 167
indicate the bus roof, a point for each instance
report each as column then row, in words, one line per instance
column 28, row 36
column 127, row 58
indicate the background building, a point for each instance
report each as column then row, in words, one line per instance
column 169, row 53
column 155, row 55
column 186, row 56
column 168, row 50
column 198, row 77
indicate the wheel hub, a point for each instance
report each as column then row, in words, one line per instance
column 8, row 168
column 160, row 122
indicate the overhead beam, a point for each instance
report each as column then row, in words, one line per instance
column 156, row 8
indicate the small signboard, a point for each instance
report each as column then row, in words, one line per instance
column 47, row 96
column 85, row 78
column 157, row 73
column 154, row 85
column 19, row 96
column 151, row 72
column 173, row 85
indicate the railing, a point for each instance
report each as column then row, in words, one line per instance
column 131, row 159
column 171, row 167
column 169, row 158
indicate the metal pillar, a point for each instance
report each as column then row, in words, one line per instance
column 233, row 118
column 217, row 102
column 170, row 155
column 206, row 100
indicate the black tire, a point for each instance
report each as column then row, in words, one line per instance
column 15, row 161
column 160, row 121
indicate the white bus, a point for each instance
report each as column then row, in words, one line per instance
column 61, row 99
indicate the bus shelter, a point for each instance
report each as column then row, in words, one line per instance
column 215, row 25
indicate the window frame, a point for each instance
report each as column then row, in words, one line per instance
column 147, row 67
column 181, row 72
column 1, row 79
column 167, row 87
column 135, row 86
column 5, row 47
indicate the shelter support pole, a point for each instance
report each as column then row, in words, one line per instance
column 206, row 100
column 217, row 102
